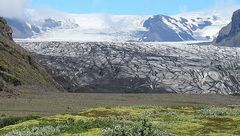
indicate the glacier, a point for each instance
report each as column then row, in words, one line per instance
column 136, row 67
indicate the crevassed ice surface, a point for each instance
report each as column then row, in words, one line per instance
column 140, row 67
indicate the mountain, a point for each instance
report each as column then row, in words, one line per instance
column 22, row 29
column 105, row 27
column 162, row 28
column 18, row 68
column 230, row 34
column 26, row 29
column 183, row 27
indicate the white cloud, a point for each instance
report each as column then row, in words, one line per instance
column 221, row 8
column 225, row 7
column 13, row 8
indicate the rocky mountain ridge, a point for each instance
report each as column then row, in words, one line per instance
column 230, row 34
column 18, row 68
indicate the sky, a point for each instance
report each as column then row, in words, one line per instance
column 135, row 7
column 15, row 8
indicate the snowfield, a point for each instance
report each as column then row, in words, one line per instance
column 140, row 67
column 95, row 27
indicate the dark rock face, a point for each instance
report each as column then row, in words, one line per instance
column 204, row 24
column 230, row 34
column 50, row 23
column 5, row 30
column 235, row 23
column 17, row 67
column 160, row 31
column 2, row 85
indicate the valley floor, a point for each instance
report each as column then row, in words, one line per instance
column 59, row 103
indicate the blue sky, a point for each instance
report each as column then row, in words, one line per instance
column 138, row 7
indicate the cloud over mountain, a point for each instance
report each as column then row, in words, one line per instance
column 13, row 8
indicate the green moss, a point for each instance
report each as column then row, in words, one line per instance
column 103, row 113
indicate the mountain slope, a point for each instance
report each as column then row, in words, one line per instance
column 17, row 67
column 230, row 34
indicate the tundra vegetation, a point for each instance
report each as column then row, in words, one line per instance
column 131, row 121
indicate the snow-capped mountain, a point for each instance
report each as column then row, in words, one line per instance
column 105, row 27
column 183, row 27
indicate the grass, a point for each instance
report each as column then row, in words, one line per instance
column 17, row 69
column 135, row 121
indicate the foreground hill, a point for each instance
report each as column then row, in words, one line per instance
column 230, row 34
column 17, row 67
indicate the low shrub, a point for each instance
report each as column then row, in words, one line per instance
column 218, row 111
column 15, row 120
column 35, row 131
column 141, row 128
